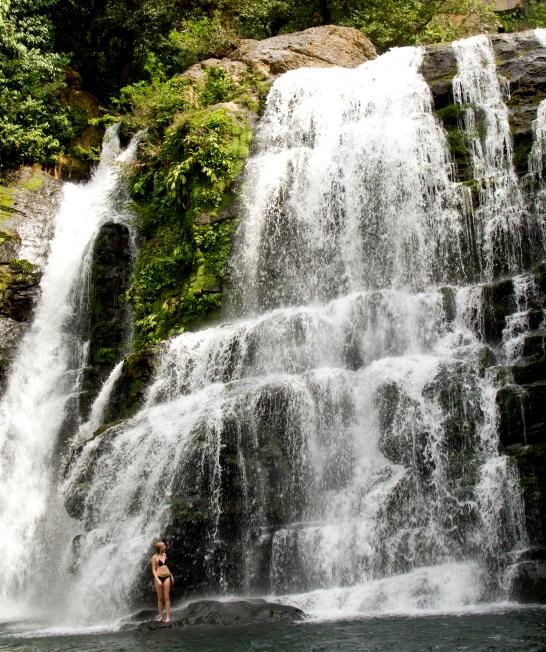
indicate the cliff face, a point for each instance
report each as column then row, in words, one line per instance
column 27, row 207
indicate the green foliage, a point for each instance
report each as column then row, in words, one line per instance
column 198, row 39
column 152, row 105
column 219, row 87
column 181, row 266
column 530, row 16
column 34, row 124
column 6, row 202
column 391, row 23
column 205, row 150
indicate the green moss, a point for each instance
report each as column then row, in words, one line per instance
column 184, row 186
column 7, row 236
column 451, row 115
column 22, row 266
column 34, row 183
column 6, row 202
column 5, row 278
column 181, row 269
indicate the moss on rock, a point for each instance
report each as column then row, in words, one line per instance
column 184, row 187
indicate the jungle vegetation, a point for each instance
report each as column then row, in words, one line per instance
column 113, row 43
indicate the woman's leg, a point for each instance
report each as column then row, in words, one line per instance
column 167, row 599
column 159, row 592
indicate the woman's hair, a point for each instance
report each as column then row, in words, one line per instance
column 158, row 545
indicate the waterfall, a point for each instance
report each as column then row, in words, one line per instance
column 335, row 440
column 45, row 374
column 479, row 91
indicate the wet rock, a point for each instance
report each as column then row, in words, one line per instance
column 530, row 462
column 438, row 67
column 29, row 199
column 449, row 302
column 34, row 200
column 539, row 272
column 11, row 332
column 19, row 289
column 10, row 242
column 522, row 417
column 224, row 613
column 528, row 581
column 498, row 303
column 521, row 61
column 235, row 612
column 486, row 359
column 130, row 388
column 108, row 326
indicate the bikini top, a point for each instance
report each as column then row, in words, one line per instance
column 162, row 563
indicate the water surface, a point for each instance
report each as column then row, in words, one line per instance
column 523, row 629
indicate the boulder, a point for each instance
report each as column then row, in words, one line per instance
column 528, row 581
column 231, row 612
column 317, row 47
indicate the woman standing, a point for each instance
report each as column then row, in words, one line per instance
column 163, row 581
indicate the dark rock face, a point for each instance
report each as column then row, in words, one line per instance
column 527, row 576
column 19, row 287
column 521, row 398
column 108, row 326
column 19, row 290
column 130, row 388
column 521, row 61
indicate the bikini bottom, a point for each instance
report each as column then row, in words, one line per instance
column 162, row 579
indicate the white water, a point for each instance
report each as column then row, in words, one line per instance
column 350, row 398
column 498, row 220
column 319, row 190
column 45, row 373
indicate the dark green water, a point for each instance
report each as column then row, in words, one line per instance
column 512, row 630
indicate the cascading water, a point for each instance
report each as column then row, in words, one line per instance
column 479, row 90
column 45, row 374
column 338, row 445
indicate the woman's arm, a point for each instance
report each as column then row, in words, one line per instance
column 154, row 568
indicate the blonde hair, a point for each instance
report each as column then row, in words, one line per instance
column 158, row 545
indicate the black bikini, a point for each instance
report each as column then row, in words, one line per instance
column 163, row 563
